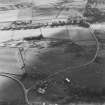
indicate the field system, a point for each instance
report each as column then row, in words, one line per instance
column 65, row 65
column 54, row 61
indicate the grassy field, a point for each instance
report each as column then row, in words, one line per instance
column 46, row 57
column 87, row 83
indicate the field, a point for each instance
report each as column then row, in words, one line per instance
column 66, row 54
column 86, row 82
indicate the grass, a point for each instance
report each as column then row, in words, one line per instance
column 87, row 83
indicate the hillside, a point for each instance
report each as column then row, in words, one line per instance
column 95, row 10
